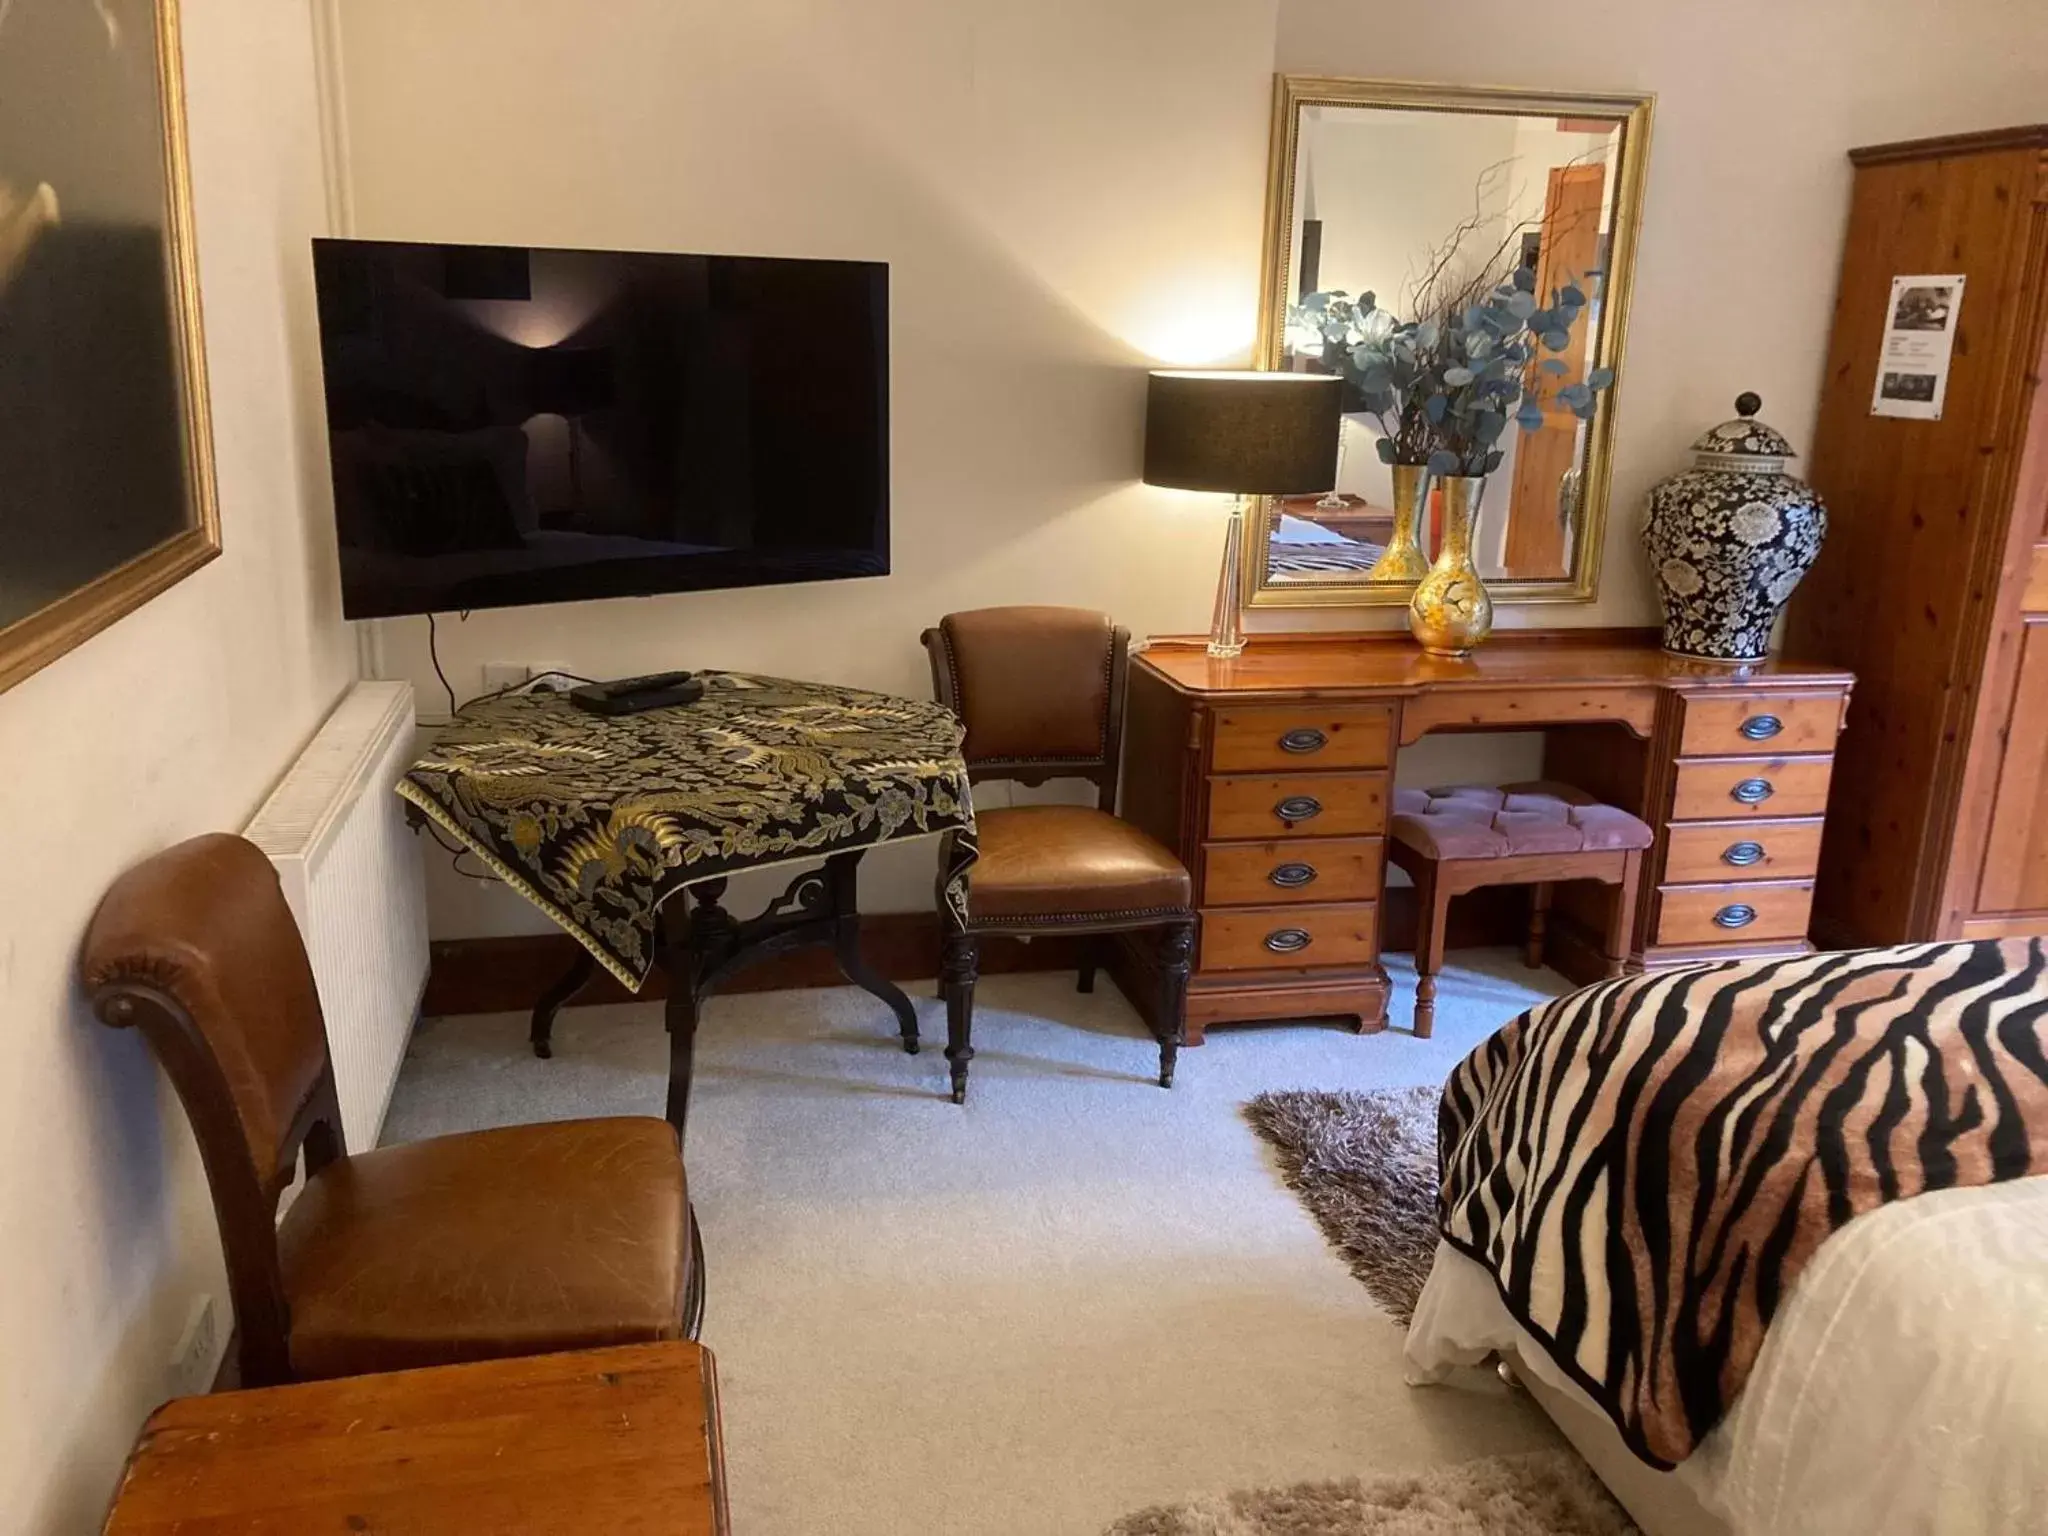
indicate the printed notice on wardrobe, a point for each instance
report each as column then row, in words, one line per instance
column 1919, row 337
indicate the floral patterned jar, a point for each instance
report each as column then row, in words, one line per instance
column 1730, row 538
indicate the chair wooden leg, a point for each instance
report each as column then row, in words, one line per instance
column 958, row 970
column 1176, row 961
column 694, row 1289
column 1539, row 912
column 1622, row 924
column 1432, row 904
column 1091, row 959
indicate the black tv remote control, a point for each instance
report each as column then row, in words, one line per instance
column 636, row 695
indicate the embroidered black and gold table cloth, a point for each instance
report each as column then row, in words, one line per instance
column 598, row 820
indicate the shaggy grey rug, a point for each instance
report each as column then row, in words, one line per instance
column 1545, row 1493
column 1365, row 1166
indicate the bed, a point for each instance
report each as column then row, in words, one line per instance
column 1785, row 1218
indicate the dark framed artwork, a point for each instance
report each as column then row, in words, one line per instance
column 106, row 449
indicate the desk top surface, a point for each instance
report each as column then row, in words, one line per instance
column 1392, row 664
column 617, row 1440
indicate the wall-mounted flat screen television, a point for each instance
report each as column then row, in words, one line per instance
column 512, row 425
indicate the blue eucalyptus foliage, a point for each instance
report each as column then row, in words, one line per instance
column 1445, row 389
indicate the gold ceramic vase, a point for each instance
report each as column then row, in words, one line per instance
column 1403, row 560
column 1450, row 612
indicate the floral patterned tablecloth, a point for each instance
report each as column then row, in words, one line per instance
column 598, row 820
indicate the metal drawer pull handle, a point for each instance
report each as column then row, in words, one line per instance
column 1304, row 740
column 1762, row 727
column 1742, row 855
column 1292, row 877
column 1298, row 808
column 1736, row 916
column 1288, row 941
column 1753, row 791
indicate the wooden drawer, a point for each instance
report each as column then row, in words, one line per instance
column 1726, row 787
column 1306, row 869
column 1298, row 805
column 1714, row 851
column 1305, row 735
column 1733, row 914
column 1262, row 938
column 1761, row 722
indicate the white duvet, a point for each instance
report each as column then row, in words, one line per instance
column 1902, row 1388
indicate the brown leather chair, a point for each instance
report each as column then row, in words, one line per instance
column 517, row 1241
column 1041, row 692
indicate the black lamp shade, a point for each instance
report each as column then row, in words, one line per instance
column 1250, row 434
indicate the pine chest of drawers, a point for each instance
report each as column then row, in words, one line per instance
column 1272, row 774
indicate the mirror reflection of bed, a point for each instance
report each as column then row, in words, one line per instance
column 1326, row 535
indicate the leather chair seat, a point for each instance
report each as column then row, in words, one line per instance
column 1484, row 821
column 519, row 1241
column 1071, row 864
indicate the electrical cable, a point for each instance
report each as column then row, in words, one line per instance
column 434, row 653
column 455, row 851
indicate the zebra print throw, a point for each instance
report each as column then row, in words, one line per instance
column 1645, row 1166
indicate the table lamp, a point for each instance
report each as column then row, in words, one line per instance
column 570, row 382
column 1247, row 434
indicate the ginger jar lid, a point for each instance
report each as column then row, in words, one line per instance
column 1744, row 444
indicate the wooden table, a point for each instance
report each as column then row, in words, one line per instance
column 608, row 1440
column 602, row 822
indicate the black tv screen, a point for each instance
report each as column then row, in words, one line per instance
column 513, row 425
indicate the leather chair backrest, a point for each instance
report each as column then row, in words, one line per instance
column 1040, row 690
column 197, row 947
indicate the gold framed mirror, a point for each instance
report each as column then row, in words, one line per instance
column 106, row 449
column 1406, row 193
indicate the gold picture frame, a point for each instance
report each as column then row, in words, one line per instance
column 1632, row 115
column 38, row 638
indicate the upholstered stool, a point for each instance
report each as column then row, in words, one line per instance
column 1456, row 840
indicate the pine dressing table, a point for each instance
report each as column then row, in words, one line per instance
column 1271, row 775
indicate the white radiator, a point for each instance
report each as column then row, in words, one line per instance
column 351, row 872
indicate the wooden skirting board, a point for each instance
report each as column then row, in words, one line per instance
column 506, row 975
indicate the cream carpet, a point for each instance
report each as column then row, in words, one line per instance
column 1077, row 1296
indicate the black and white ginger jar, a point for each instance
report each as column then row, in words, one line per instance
column 1730, row 538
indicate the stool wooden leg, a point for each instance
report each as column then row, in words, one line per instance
column 1432, row 902
column 1621, row 925
column 1539, row 912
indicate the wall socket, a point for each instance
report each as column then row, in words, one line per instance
column 196, row 1360
column 502, row 675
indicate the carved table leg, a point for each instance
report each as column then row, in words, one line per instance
column 1176, row 960
column 843, row 894
column 958, row 969
column 692, row 939
column 540, row 1033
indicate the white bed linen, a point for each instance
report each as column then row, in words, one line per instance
column 1903, row 1386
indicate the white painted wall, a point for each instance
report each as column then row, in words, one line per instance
column 175, row 721
column 1070, row 190
column 1757, row 104
column 1066, row 192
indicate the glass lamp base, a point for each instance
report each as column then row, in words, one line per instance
column 1226, row 628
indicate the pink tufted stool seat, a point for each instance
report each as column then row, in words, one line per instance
column 1480, row 821
column 1458, row 839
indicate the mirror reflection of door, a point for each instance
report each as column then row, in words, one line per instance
column 1546, row 479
